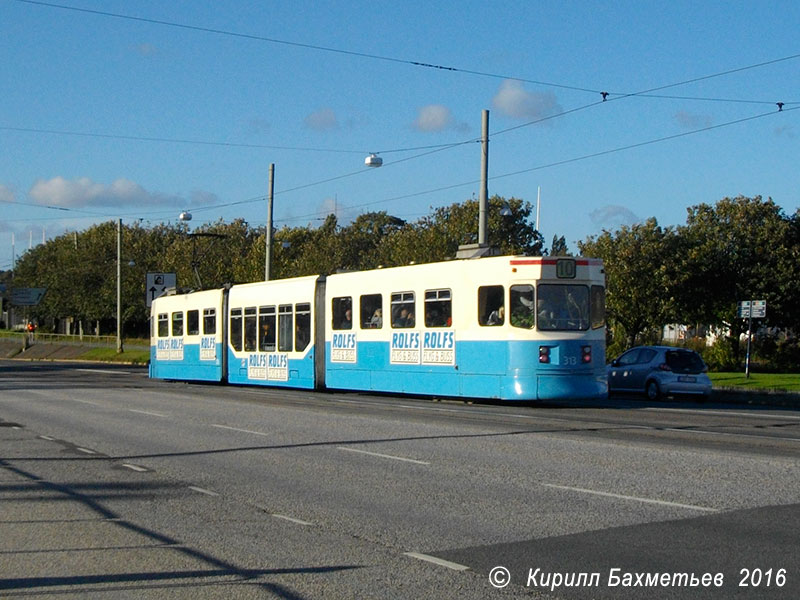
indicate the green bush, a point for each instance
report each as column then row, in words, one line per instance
column 721, row 356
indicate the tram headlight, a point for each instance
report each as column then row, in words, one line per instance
column 586, row 354
column 544, row 354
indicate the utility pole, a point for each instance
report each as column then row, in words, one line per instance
column 268, row 259
column 483, row 200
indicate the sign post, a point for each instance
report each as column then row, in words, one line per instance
column 750, row 309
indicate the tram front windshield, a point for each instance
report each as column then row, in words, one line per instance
column 562, row 307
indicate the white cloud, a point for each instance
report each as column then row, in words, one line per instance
column 433, row 117
column 6, row 194
column 514, row 101
column 146, row 49
column 690, row 121
column 84, row 192
column 322, row 120
column 613, row 216
column 436, row 117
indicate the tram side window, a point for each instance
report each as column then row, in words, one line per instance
column 302, row 326
column 342, row 312
column 163, row 325
column 236, row 329
column 523, row 311
column 285, row 327
column 438, row 308
column 192, row 322
column 250, row 329
column 266, row 328
column 177, row 323
column 371, row 311
column 598, row 306
column 491, row 305
column 209, row 321
column 403, row 310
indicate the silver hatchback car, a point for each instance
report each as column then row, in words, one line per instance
column 659, row 371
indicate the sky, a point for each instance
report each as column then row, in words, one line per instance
column 142, row 110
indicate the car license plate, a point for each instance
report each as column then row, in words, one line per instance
column 687, row 379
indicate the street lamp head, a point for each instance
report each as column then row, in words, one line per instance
column 185, row 216
column 373, row 160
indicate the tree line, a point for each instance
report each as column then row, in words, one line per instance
column 738, row 249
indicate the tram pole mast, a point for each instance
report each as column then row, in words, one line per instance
column 268, row 259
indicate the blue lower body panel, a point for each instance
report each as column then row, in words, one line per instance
column 494, row 370
column 272, row 369
column 185, row 364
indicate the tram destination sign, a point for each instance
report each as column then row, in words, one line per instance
column 752, row 309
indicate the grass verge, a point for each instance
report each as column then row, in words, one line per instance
column 138, row 357
column 787, row 382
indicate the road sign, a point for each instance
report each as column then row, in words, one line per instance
column 27, row 296
column 755, row 309
column 157, row 284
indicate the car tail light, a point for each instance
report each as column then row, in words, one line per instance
column 665, row 367
column 544, row 354
column 586, row 354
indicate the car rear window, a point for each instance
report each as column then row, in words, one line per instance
column 684, row 361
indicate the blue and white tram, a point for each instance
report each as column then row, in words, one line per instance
column 509, row 328
column 187, row 336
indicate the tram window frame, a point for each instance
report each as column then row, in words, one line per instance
column 597, row 306
column 267, row 317
column 302, row 326
column 401, row 301
column 250, row 329
column 176, row 324
column 369, row 304
column 339, row 307
column 209, row 321
column 439, row 308
column 522, row 315
column 489, row 311
column 192, row 322
column 163, row 325
column 285, row 328
column 236, row 328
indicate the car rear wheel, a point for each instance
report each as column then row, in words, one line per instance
column 652, row 390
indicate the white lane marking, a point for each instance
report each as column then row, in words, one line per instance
column 147, row 412
column 293, row 520
column 46, row 437
column 437, row 561
column 721, row 413
column 411, row 460
column 135, row 468
column 85, row 402
column 237, row 429
column 203, row 491
column 747, row 435
column 85, row 450
column 108, row 371
column 635, row 498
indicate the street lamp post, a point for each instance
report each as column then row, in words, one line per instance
column 119, row 286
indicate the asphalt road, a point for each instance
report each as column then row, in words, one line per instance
column 112, row 485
